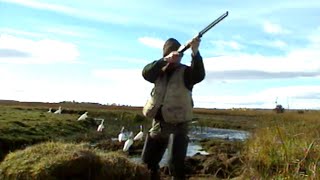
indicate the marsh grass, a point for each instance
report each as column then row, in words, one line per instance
column 287, row 147
column 231, row 119
column 21, row 126
column 281, row 146
column 55, row 161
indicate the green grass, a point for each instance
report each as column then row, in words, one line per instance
column 24, row 126
column 56, row 161
column 281, row 146
column 287, row 147
column 231, row 119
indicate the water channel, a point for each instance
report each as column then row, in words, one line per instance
column 198, row 133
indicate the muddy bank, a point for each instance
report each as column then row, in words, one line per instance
column 223, row 159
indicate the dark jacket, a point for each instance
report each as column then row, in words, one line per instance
column 193, row 74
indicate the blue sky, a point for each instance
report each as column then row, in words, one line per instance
column 94, row 51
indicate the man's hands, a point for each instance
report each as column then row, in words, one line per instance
column 194, row 44
column 173, row 57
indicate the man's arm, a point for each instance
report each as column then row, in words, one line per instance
column 151, row 71
column 195, row 73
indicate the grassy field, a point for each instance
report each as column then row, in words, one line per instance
column 287, row 146
column 281, row 146
column 25, row 124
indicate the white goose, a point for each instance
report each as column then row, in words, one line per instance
column 128, row 142
column 139, row 136
column 121, row 136
column 101, row 126
column 83, row 116
column 58, row 111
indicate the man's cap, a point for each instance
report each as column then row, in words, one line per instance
column 170, row 45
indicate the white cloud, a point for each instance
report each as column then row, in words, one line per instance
column 314, row 37
column 125, row 85
column 278, row 43
column 273, row 28
column 273, row 43
column 19, row 32
column 38, row 51
column 25, row 89
column 229, row 44
column 298, row 60
column 303, row 62
column 4, row 72
column 295, row 96
column 14, row 83
column 152, row 42
column 118, row 75
column 127, row 60
column 64, row 31
column 96, row 10
column 290, row 91
column 116, row 86
column 42, row 5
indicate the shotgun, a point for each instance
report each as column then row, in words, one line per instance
column 200, row 34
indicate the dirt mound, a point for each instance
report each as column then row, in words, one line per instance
column 218, row 166
column 68, row 161
column 224, row 161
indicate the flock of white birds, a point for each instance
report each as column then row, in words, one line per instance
column 122, row 137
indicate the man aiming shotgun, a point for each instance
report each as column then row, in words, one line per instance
column 171, row 104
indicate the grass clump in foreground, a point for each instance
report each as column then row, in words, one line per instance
column 288, row 148
column 25, row 126
column 58, row 161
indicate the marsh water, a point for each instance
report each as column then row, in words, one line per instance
column 198, row 133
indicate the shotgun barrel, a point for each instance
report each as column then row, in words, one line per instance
column 200, row 34
column 206, row 29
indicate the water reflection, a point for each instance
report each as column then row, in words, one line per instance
column 192, row 150
column 198, row 133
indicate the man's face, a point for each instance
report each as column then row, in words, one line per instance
column 170, row 45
